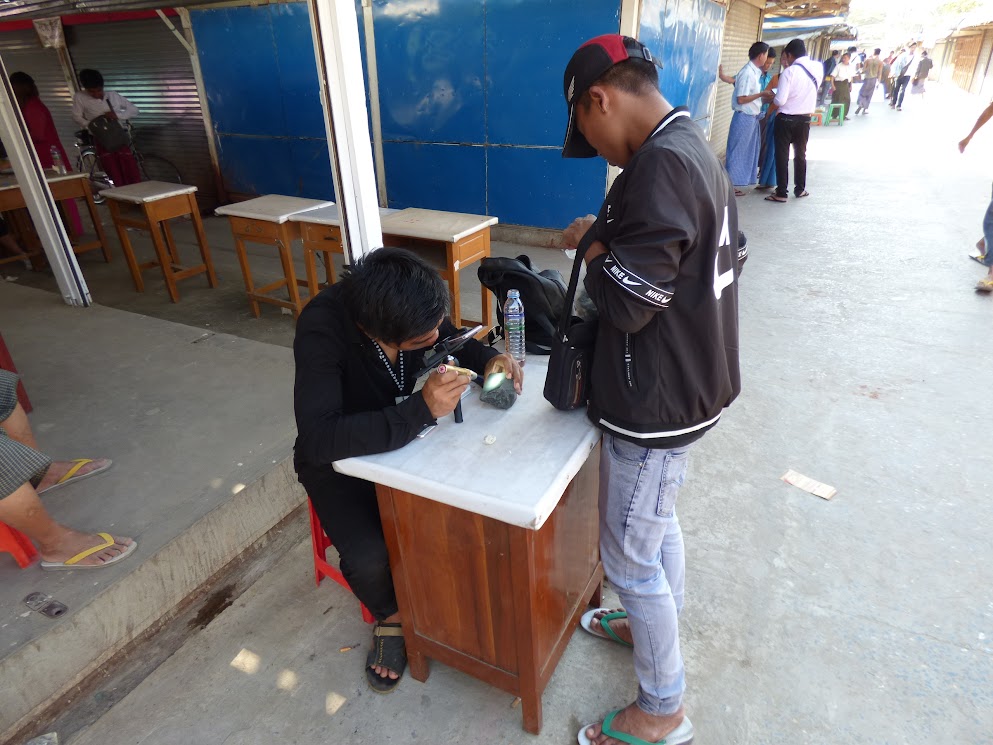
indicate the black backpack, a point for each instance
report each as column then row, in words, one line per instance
column 542, row 292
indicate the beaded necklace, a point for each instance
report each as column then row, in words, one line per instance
column 386, row 361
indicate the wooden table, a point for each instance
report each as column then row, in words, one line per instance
column 150, row 205
column 69, row 186
column 266, row 220
column 320, row 232
column 494, row 551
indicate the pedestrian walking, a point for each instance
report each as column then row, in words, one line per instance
column 887, row 75
column 663, row 270
column 985, row 258
column 920, row 76
column 872, row 70
column 795, row 101
column 744, row 137
column 902, row 69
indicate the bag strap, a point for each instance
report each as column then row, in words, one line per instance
column 809, row 75
column 570, row 296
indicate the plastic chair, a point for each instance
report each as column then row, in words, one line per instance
column 321, row 543
column 829, row 113
column 15, row 543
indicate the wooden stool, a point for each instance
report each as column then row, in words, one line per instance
column 451, row 240
column 15, row 543
column 320, row 232
column 266, row 220
column 77, row 186
column 159, row 202
column 321, row 543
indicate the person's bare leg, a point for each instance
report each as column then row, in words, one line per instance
column 24, row 511
column 18, row 428
column 14, row 248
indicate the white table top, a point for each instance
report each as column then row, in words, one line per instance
column 271, row 208
column 9, row 182
column 434, row 224
column 329, row 215
column 518, row 480
column 146, row 191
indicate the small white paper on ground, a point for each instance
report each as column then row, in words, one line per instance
column 808, row 484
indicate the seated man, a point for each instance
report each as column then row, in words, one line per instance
column 25, row 473
column 359, row 346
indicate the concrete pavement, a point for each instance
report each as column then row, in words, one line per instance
column 866, row 619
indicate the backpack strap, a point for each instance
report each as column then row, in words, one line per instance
column 570, row 295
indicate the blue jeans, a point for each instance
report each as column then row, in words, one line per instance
column 641, row 546
column 988, row 234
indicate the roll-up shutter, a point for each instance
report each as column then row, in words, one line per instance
column 144, row 62
column 23, row 52
column 742, row 28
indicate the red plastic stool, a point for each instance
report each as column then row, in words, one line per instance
column 15, row 543
column 322, row 569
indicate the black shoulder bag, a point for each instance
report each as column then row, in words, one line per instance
column 567, row 385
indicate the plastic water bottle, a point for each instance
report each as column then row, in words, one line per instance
column 57, row 163
column 513, row 325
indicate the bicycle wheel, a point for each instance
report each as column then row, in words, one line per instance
column 89, row 163
column 155, row 168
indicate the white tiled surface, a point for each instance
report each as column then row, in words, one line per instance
column 434, row 224
column 271, row 208
column 328, row 215
column 146, row 191
column 505, row 480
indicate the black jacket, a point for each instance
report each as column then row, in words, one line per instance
column 344, row 397
column 666, row 360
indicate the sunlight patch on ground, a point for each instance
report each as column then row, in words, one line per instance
column 246, row 661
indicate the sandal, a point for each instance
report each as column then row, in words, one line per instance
column 981, row 258
column 775, row 198
column 985, row 285
column 388, row 650
column 605, row 632
column 682, row 735
column 72, row 475
column 739, row 193
column 803, row 194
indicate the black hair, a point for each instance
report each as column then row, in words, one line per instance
column 90, row 79
column 759, row 47
column 772, row 53
column 24, row 87
column 394, row 295
column 835, row 53
column 635, row 76
column 796, row 48
column 878, row 51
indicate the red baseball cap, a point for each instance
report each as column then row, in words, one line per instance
column 588, row 65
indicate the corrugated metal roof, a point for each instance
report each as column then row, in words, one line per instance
column 25, row 9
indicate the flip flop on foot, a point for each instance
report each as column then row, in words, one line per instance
column 981, row 258
column 104, row 554
column 985, row 285
column 739, row 193
column 388, row 652
column 64, row 472
column 682, row 735
column 600, row 627
column 803, row 194
column 775, row 198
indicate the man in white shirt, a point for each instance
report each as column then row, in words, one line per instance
column 795, row 101
column 93, row 102
column 843, row 74
column 902, row 69
column 743, row 136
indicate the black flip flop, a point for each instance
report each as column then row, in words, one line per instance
column 804, row 194
column 774, row 198
column 979, row 259
column 388, row 650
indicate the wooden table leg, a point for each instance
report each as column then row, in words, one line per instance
column 285, row 245
column 310, row 264
column 95, row 219
column 529, row 675
column 246, row 272
column 329, row 268
column 163, row 254
column 126, row 248
column 453, row 285
column 171, row 243
column 201, row 235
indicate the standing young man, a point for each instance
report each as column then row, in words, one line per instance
column 902, row 70
column 94, row 101
column 795, row 101
column 744, row 137
column 663, row 273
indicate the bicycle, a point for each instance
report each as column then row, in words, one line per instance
column 151, row 167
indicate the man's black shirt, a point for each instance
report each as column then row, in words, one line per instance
column 345, row 398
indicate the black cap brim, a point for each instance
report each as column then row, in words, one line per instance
column 575, row 145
